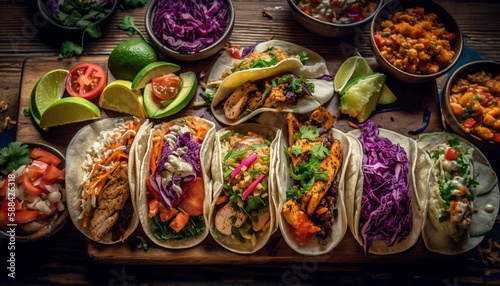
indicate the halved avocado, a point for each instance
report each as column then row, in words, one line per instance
column 155, row 108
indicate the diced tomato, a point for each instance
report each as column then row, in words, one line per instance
column 426, row 44
column 485, row 95
column 4, row 219
column 419, row 11
column 38, row 167
column 4, row 205
column 469, row 122
column 451, row 36
column 234, row 52
column 51, row 175
column 393, row 37
column 179, row 222
column 451, row 154
column 167, row 213
column 166, row 87
column 456, row 109
column 496, row 137
column 379, row 40
column 154, row 205
column 193, row 195
column 307, row 10
column 86, row 80
column 355, row 8
column 30, row 187
column 44, row 156
column 53, row 210
column 26, row 216
column 304, row 228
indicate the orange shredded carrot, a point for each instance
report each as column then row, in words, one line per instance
column 221, row 200
column 125, row 234
column 266, row 226
column 86, row 217
column 353, row 125
column 322, row 210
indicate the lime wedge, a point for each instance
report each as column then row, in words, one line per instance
column 353, row 67
column 361, row 94
column 69, row 110
column 33, row 110
column 119, row 97
column 151, row 71
column 386, row 96
column 50, row 88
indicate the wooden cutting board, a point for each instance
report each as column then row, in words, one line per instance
column 413, row 99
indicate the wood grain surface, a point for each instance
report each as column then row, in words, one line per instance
column 29, row 47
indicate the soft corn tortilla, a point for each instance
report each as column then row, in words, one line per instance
column 75, row 155
column 418, row 171
column 229, row 242
column 313, row 66
column 323, row 90
column 142, row 206
column 486, row 193
column 286, row 182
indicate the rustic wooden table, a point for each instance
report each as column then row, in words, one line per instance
column 62, row 259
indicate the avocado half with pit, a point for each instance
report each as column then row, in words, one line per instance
column 156, row 108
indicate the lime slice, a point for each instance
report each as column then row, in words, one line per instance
column 50, row 89
column 360, row 95
column 386, row 96
column 33, row 110
column 353, row 67
column 69, row 110
column 119, row 97
column 151, row 71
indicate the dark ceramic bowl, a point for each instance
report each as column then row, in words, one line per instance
column 451, row 120
column 430, row 7
column 327, row 29
column 202, row 54
column 57, row 223
column 48, row 14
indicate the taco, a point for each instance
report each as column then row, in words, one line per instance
column 262, row 56
column 98, row 161
column 312, row 164
column 277, row 89
column 385, row 193
column 174, row 182
column 463, row 194
column 242, row 214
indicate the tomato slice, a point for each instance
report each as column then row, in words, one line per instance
column 193, row 195
column 4, row 205
column 86, row 80
column 44, row 156
column 26, row 216
column 153, row 207
column 38, row 167
column 30, row 187
column 50, row 175
column 179, row 222
column 166, row 214
column 166, row 87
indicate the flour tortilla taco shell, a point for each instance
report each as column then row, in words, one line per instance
column 314, row 66
column 141, row 202
column 323, row 91
column 231, row 242
column 418, row 171
column 76, row 153
column 485, row 203
column 339, row 226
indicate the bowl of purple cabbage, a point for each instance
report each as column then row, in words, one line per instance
column 74, row 15
column 189, row 30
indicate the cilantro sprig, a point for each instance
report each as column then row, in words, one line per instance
column 14, row 156
column 128, row 25
column 306, row 132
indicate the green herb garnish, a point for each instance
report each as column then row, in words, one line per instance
column 14, row 156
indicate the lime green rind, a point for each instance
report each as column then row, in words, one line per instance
column 151, row 71
column 386, row 96
column 50, row 89
column 91, row 111
column 33, row 109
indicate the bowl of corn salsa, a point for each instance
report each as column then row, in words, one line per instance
column 471, row 103
column 416, row 41
column 334, row 18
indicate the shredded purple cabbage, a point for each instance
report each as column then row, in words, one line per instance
column 190, row 26
column 192, row 156
column 327, row 77
column 386, row 212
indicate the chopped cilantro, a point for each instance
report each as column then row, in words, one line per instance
column 255, row 173
column 319, row 151
column 226, row 135
column 303, row 57
column 14, row 156
column 142, row 244
column 306, row 132
column 238, row 153
column 296, row 150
